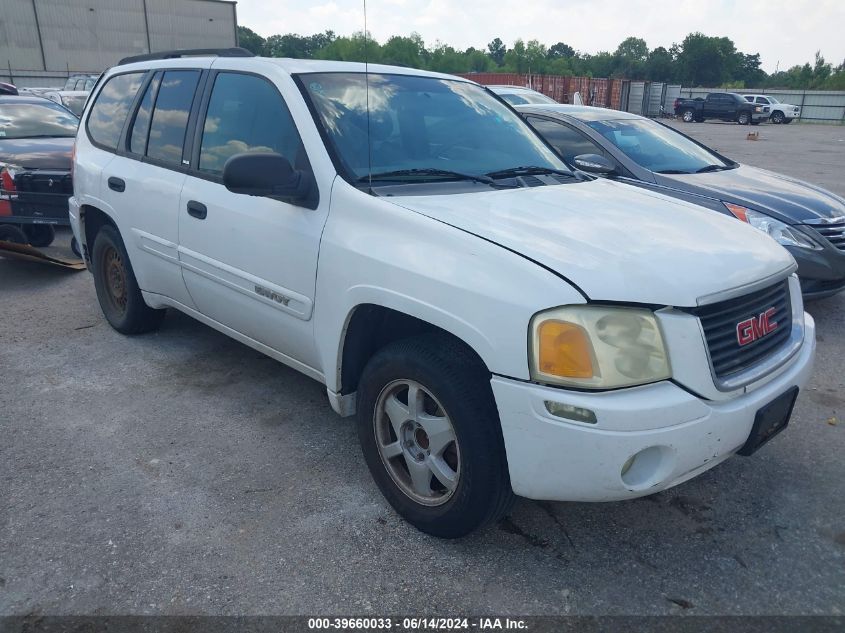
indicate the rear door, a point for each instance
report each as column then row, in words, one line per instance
column 250, row 263
column 145, row 179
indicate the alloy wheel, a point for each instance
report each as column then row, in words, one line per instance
column 417, row 442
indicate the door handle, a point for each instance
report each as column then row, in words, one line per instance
column 117, row 184
column 197, row 209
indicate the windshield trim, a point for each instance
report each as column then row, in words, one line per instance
column 346, row 172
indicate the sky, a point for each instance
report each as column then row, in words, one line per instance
column 785, row 33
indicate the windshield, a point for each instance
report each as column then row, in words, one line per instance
column 657, row 147
column 423, row 124
column 772, row 100
column 30, row 120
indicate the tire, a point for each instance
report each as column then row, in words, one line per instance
column 12, row 233
column 787, row 121
column 465, row 449
column 743, row 118
column 688, row 115
column 777, row 117
column 117, row 289
column 39, row 235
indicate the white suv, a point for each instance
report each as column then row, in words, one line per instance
column 497, row 323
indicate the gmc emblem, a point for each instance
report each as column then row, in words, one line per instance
column 756, row 327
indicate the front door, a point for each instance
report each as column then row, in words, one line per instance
column 250, row 263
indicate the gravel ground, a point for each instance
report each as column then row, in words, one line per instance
column 183, row 473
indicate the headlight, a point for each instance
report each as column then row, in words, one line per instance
column 777, row 230
column 595, row 347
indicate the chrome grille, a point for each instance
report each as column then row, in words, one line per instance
column 833, row 233
column 720, row 322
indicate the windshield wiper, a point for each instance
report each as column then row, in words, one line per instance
column 426, row 171
column 707, row 168
column 528, row 170
column 673, row 171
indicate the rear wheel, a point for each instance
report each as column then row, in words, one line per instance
column 12, row 233
column 39, row 235
column 744, row 118
column 117, row 289
column 688, row 116
column 777, row 117
column 430, row 433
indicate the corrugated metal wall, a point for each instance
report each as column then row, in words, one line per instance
column 817, row 106
column 41, row 41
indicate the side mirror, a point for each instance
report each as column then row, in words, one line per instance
column 594, row 164
column 268, row 175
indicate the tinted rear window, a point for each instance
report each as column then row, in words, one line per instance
column 109, row 111
column 170, row 116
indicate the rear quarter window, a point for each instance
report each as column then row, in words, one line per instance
column 108, row 114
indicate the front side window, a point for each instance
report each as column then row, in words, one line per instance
column 34, row 120
column 763, row 100
column 568, row 142
column 657, row 147
column 170, row 115
column 246, row 114
column 398, row 123
column 109, row 111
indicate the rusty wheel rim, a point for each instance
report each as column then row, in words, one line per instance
column 114, row 272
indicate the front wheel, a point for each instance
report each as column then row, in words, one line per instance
column 777, row 117
column 430, row 433
column 117, row 289
column 787, row 121
column 744, row 118
column 688, row 116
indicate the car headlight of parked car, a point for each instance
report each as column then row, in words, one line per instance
column 777, row 230
column 597, row 347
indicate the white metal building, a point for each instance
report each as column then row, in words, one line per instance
column 42, row 41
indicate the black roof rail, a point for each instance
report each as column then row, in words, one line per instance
column 187, row 52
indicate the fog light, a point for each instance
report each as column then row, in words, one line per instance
column 579, row 414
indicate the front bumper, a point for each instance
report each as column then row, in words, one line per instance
column 553, row 458
column 822, row 271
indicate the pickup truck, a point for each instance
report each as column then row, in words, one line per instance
column 726, row 106
column 780, row 112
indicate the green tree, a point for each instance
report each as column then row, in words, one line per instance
column 561, row 51
column 707, row 61
column 496, row 51
column 634, row 49
column 660, row 65
column 250, row 40
column 404, row 51
column 516, row 59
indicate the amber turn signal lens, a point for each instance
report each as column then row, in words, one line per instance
column 565, row 350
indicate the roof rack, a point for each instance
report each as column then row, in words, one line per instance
column 187, row 52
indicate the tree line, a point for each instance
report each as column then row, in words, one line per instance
column 699, row 60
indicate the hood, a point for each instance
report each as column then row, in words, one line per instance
column 787, row 199
column 37, row 153
column 614, row 242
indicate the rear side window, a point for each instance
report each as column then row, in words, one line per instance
column 141, row 124
column 170, row 115
column 109, row 111
column 246, row 114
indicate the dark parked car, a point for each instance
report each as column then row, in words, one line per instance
column 36, row 142
column 808, row 220
column 726, row 106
